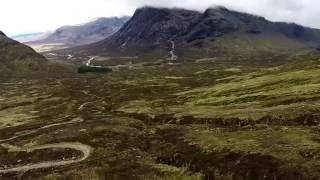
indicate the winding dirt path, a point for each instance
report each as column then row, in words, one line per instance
column 73, row 121
column 91, row 58
column 84, row 149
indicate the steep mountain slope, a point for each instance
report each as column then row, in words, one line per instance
column 91, row 32
column 149, row 30
column 222, row 32
column 2, row 34
column 184, row 34
column 219, row 21
column 16, row 58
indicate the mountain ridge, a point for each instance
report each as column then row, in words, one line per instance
column 150, row 32
column 2, row 33
column 75, row 35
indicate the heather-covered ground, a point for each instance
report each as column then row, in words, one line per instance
column 207, row 119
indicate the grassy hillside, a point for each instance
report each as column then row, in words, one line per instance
column 262, row 49
column 19, row 60
column 240, row 106
column 212, row 118
column 16, row 58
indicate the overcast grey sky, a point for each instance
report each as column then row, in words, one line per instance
column 24, row 16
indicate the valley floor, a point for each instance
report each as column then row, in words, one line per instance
column 198, row 120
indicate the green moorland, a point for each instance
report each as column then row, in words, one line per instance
column 213, row 118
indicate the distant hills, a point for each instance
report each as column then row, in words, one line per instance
column 71, row 36
column 172, row 34
column 17, row 58
column 23, row 38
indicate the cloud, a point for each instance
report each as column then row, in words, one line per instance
column 17, row 16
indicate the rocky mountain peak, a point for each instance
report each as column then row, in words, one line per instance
column 150, row 27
